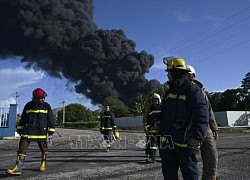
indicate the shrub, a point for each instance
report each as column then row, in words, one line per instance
column 82, row 125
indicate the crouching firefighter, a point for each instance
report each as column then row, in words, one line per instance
column 153, row 117
column 107, row 126
column 185, row 119
column 36, row 124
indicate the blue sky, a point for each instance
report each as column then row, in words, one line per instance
column 213, row 36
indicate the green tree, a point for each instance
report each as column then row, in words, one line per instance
column 246, row 82
column 141, row 103
column 76, row 113
column 117, row 106
column 229, row 100
column 214, row 99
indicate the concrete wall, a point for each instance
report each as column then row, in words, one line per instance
column 233, row 118
column 11, row 128
column 223, row 118
column 238, row 118
column 129, row 121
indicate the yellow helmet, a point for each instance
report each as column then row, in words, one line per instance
column 175, row 63
column 116, row 134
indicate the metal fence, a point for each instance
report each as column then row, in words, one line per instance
column 4, row 117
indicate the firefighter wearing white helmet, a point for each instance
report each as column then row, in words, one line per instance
column 184, row 122
column 209, row 151
column 153, row 117
column 191, row 70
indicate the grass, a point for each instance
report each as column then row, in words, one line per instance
column 231, row 130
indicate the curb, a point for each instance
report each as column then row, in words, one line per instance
column 10, row 138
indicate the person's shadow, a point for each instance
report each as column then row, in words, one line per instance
column 3, row 174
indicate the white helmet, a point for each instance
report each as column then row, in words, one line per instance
column 156, row 96
column 191, row 70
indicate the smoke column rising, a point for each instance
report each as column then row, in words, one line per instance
column 60, row 38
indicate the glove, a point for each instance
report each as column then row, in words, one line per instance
column 156, row 126
column 50, row 140
column 101, row 130
column 215, row 134
column 19, row 132
column 50, row 133
column 194, row 143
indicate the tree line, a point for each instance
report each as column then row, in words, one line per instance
column 230, row 100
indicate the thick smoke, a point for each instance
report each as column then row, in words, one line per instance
column 60, row 37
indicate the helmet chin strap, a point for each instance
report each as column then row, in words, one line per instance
column 38, row 100
column 170, row 76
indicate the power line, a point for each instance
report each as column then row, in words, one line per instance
column 209, row 29
column 216, row 44
column 218, row 52
column 216, row 33
column 216, row 24
column 225, row 50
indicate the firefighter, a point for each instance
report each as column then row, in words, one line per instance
column 184, row 122
column 36, row 124
column 209, row 151
column 153, row 117
column 107, row 126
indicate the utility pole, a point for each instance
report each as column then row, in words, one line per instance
column 17, row 96
column 63, row 102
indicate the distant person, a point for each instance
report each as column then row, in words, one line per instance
column 184, row 123
column 36, row 125
column 209, row 151
column 153, row 117
column 107, row 126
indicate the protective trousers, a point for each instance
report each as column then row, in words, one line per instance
column 172, row 161
column 209, row 156
column 21, row 153
column 151, row 147
column 107, row 135
column 24, row 144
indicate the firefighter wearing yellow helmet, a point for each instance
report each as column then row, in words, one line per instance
column 184, row 122
column 153, row 117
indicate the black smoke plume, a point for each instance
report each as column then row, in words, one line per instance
column 60, row 37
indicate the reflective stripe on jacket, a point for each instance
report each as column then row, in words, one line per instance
column 184, row 113
column 36, row 121
column 107, row 120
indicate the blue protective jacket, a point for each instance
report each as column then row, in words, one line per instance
column 184, row 113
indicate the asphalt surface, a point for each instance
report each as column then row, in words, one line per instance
column 78, row 154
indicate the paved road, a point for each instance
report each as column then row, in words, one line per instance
column 78, row 155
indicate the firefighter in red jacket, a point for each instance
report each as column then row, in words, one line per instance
column 36, row 124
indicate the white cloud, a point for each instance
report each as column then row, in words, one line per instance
column 211, row 17
column 159, row 66
column 6, row 103
column 13, row 79
column 182, row 16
